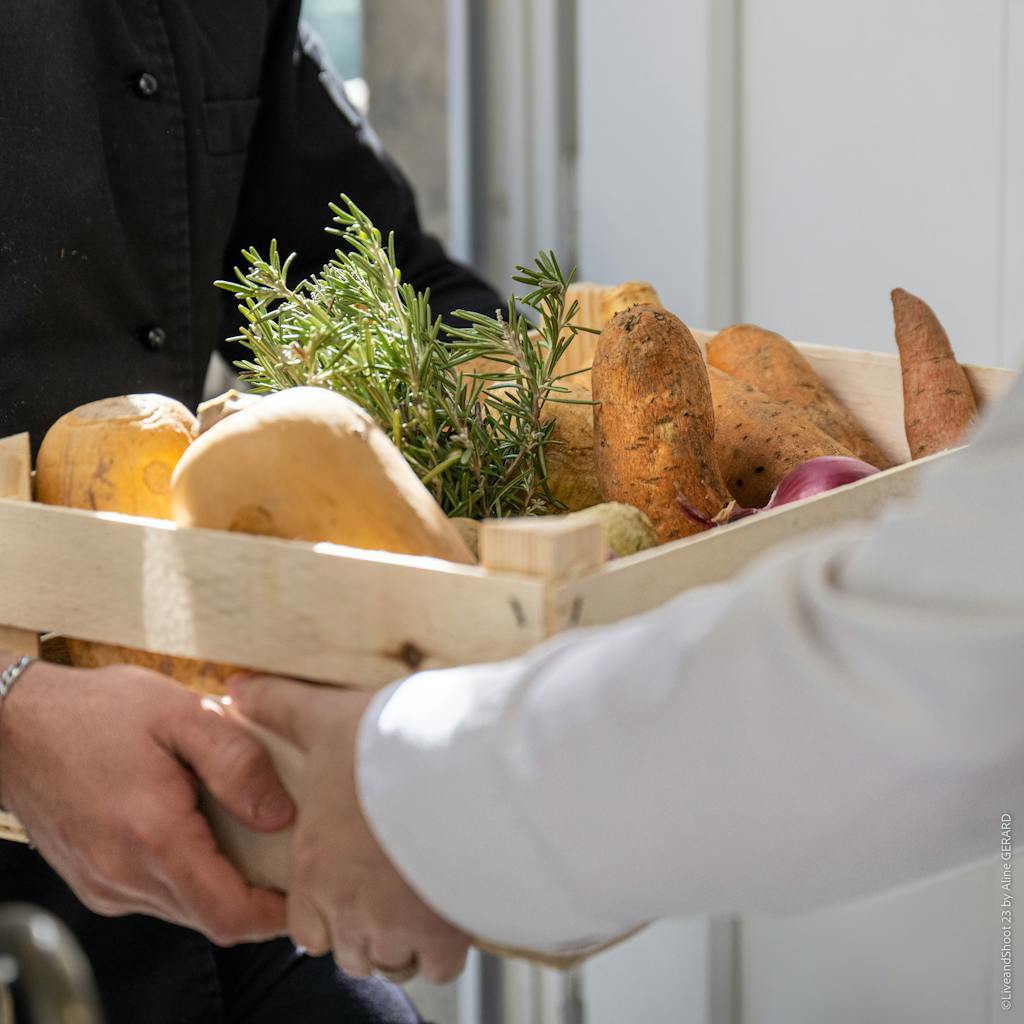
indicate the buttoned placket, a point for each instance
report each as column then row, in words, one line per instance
column 168, row 335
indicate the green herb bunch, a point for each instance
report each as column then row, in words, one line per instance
column 476, row 438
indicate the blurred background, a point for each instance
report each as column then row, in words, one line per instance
column 787, row 162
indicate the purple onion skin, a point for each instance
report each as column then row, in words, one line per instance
column 816, row 476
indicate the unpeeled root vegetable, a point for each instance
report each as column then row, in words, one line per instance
column 118, row 455
column 774, row 365
column 308, row 464
column 626, row 528
column 939, row 406
column 571, row 463
column 758, row 440
column 115, row 455
column 624, row 297
column 654, row 424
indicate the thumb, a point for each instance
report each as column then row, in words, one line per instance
column 233, row 766
column 281, row 705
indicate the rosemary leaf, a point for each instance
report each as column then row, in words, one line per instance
column 478, row 439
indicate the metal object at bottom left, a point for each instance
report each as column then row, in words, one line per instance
column 41, row 961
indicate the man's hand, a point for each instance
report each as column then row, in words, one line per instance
column 102, row 769
column 344, row 894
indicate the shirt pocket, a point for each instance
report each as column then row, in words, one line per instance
column 228, row 125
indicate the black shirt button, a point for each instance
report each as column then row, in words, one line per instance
column 146, row 85
column 154, row 338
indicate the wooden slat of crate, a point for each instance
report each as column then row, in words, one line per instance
column 15, row 468
column 320, row 611
column 15, row 485
column 645, row 581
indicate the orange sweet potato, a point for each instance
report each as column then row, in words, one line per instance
column 758, row 440
column 654, row 423
column 939, row 406
column 775, row 366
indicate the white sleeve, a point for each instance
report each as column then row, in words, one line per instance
column 847, row 716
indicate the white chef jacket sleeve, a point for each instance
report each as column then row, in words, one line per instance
column 847, row 716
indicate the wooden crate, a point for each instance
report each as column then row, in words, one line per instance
column 345, row 616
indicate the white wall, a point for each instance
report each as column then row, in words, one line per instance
column 1013, row 290
column 659, row 976
column 875, row 154
column 656, row 192
column 925, row 955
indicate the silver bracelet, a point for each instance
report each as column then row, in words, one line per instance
column 8, row 678
column 12, row 674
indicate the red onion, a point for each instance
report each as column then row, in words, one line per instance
column 816, row 476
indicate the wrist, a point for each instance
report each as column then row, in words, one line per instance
column 17, row 709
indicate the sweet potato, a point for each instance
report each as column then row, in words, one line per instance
column 654, row 425
column 624, row 297
column 773, row 365
column 758, row 440
column 938, row 404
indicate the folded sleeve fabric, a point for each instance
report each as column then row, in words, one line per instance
column 846, row 717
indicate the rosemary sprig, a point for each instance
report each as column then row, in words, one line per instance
column 475, row 435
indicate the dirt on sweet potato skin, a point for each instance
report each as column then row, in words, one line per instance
column 654, row 423
column 758, row 440
column 775, row 366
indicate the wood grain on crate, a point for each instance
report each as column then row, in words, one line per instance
column 317, row 611
column 15, row 485
column 549, row 549
column 15, row 468
column 645, row 581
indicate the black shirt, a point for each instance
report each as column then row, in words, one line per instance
column 143, row 144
